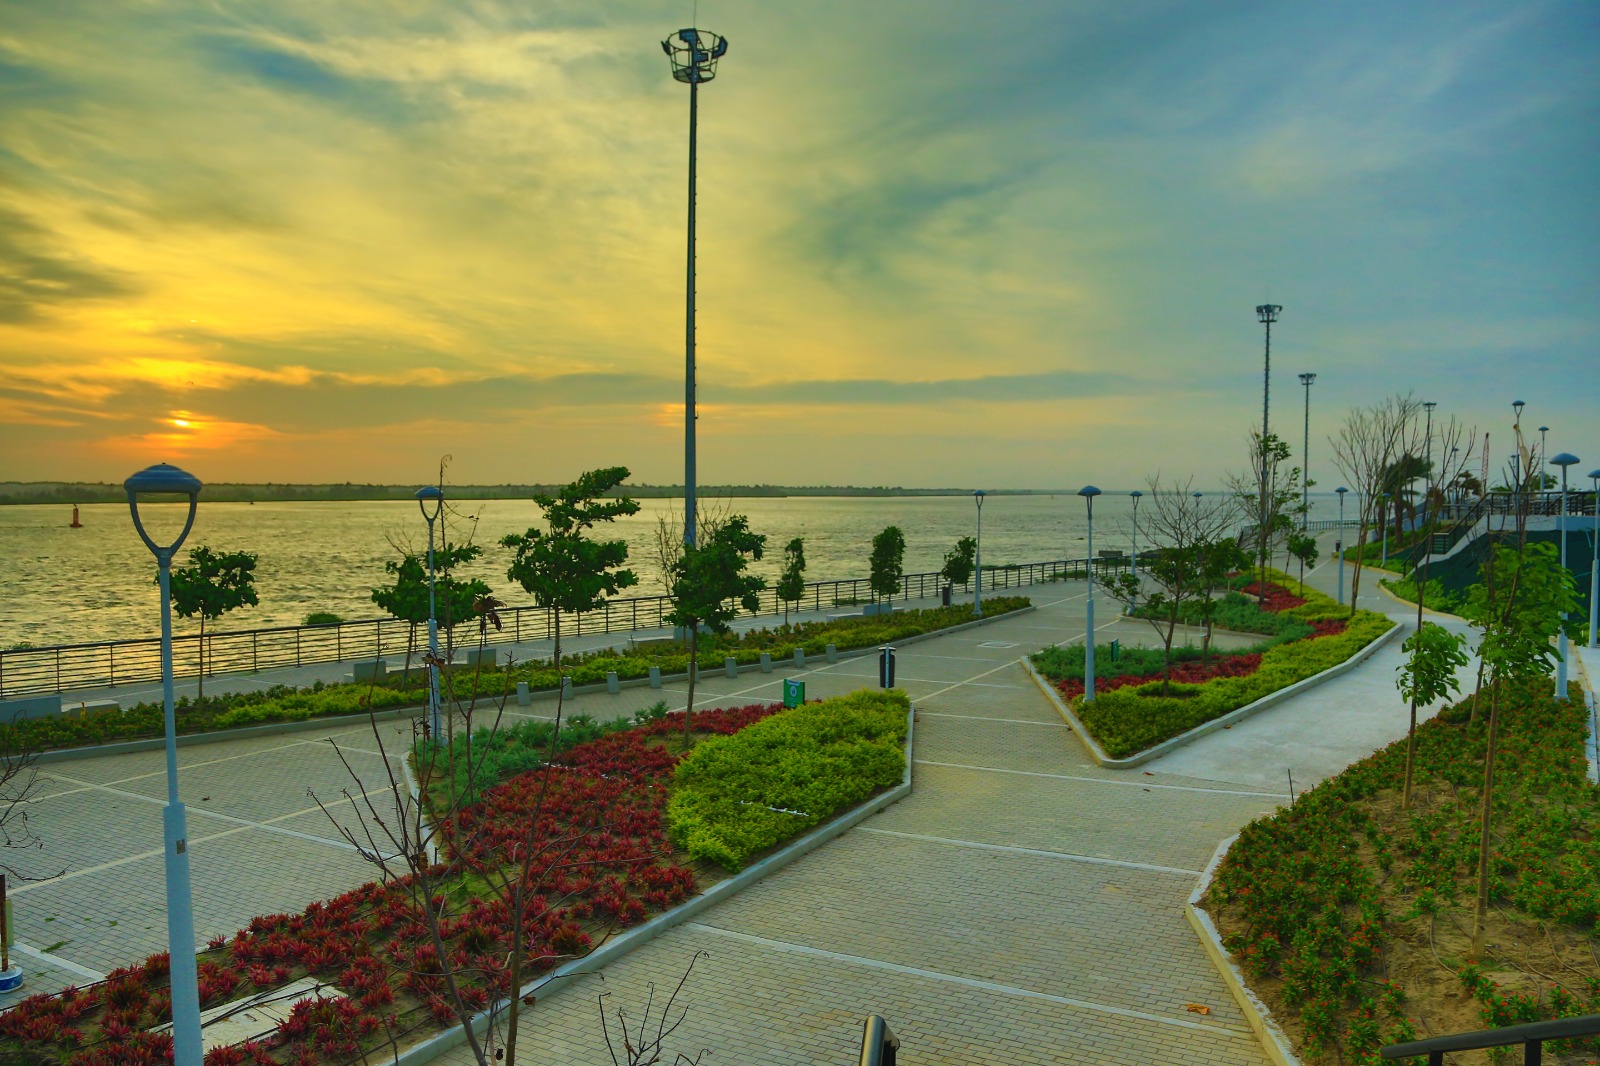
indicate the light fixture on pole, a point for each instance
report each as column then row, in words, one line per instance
column 1544, row 453
column 1427, row 461
column 1089, row 492
column 1453, row 486
column 1267, row 314
column 694, row 54
column 1383, row 510
column 435, row 495
column 1594, row 561
column 1517, row 406
column 1564, row 460
column 977, row 572
column 1305, row 456
column 1341, row 490
column 1137, row 495
column 165, row 480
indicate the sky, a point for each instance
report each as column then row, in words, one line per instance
column 1006, row 245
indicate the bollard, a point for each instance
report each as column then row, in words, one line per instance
column 766, row 662
column 655, row 677
column 731, row 666
column 613, row 686
column 800, row 658
column 1116, row 648
column 524, row 697
column 833, row 654
column 566, row 688
column 886, row 667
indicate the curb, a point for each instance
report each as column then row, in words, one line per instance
column 1238, row 714
column 620, row 945
column 1274, row 1043
column 1412, row 604
column 124, row 747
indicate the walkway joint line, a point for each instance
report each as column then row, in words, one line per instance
column 1012, row 849
column 1105, row 780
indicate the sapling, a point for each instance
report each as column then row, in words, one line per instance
column 211, row 585
column 1428, row 674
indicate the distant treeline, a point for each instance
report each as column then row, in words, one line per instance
column 94, row 492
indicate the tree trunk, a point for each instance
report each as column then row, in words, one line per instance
column 200, row 682
column 1483, row 842
column 556, row 660
column 694, row 672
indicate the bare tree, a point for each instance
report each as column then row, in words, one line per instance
column 641, row 1047
column 1267, row 496
column 1364, row 449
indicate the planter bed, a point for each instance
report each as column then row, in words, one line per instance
column 1134, row 711
column 605, row 862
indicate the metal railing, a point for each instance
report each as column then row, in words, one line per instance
column 1531, row 1036
column 71, row 667
column 878, row 1045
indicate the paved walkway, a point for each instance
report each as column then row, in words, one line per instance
column 1021, row 906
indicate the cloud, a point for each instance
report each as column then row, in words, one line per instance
column 36, row 277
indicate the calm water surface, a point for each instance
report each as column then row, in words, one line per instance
column 61, row 586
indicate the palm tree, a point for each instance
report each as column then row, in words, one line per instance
column 1396, row 481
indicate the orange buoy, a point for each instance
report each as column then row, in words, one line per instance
column 75, row 523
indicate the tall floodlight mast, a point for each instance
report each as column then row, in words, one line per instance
column 694, row 55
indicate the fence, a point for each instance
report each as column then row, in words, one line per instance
column 71, row 667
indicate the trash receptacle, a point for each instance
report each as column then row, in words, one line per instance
column 944, row 595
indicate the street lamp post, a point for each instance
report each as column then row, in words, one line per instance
column 1305, row 456
column 977, row 573
column 694, row 56
column 1594, row 562
column 1427, row 461
column 1267, row 314
column 1341, row 490
column 434, row 495
column 166, row 480
column 1137, row 495
column 1089, row 492
column 1564, row 460
column 1383, row 510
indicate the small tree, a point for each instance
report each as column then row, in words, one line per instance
column 1303, row 546
column 1518, row 606
column 888, row 562
column 1427, row 675
column 792, row 584
column 959, row 561
column 563, row 570
column 453, row 598
column 1268, row 496
column 709, row 584
column 213, row 584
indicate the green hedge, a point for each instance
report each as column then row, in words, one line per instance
column 1133, row 718
column 736, row 796
column 282, row 703
column 1239, row 613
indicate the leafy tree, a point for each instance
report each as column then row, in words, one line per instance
column 709, row 584
column 1427, row 675
column 563, row 570
column 1396, row 483
column 1517, row 606
column 792, row 583
column 888, row 562
column 454, row 598
column 213, row 584
column 1268, row 497
column 1303, row 546
column 959, row 561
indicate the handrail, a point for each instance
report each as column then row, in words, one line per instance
column 878, row 1045
column 73, row 667
column 1531, row 1036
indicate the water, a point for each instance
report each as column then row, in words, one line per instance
column 67, row 586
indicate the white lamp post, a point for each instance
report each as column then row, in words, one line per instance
column 1136, row 494
column 1305, row 456
column 166, row 480
column 1564, row 460
column 1089, row 492
column 1383, row 509
column 1594, row 562
column 434, row 495
column 977, row 573
column 1341, row 490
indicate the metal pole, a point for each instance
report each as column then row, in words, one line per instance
column 1088, row 637
column 433, row 647
column 1305, row 457
column 183, row 977
column 977, row 581
column 688, row 384
column 1561, row 666
column 1594, row 563
column 1340, row 542
column 1135, row 562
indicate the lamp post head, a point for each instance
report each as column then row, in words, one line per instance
column 1517, row 406
column 978, row 495
column 1089, row 491
column 1136, row 494
column 1268, row 312
column 1307, row 379
column 1341, row 490
column 1198, row 495
column 430, row 494
column 694, row 54
column 1564, row 460
column 162, row 479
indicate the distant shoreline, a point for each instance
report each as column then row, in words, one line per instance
column 68, row 493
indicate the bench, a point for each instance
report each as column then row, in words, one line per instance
column 369, row 670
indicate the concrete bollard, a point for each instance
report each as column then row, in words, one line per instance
column 766, row 662
column 613, row 685
column 566, row 688
column 524, row 697
column 833, row 654
column 731, row 665
column 800, row 658
column 655, row 677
